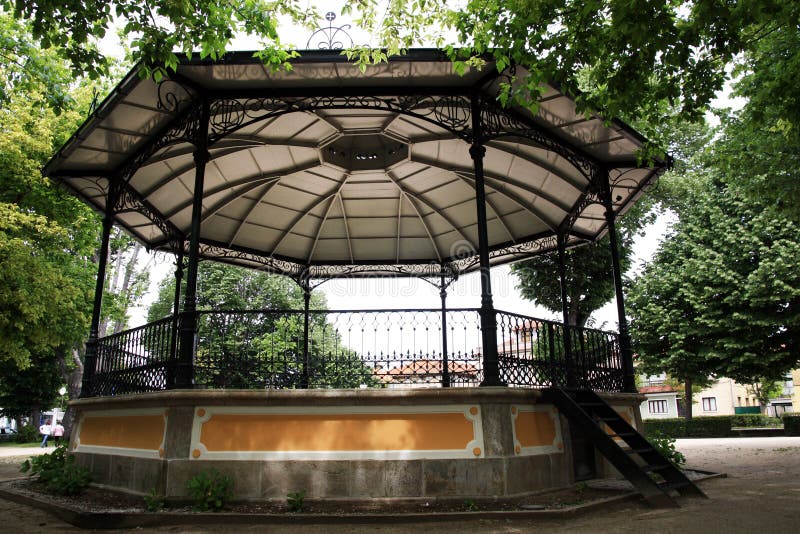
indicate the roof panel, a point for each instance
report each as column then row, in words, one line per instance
column 268, row 189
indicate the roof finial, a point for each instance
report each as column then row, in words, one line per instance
column 332, row 37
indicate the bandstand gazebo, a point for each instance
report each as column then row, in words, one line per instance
column 407, row 169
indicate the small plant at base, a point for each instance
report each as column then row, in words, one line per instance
column 153, row 502
column 58, row 472
column 471, row 505
column 581, row 487
column 666, row 446
column 210, row 490
column 295, row 500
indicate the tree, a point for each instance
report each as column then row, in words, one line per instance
column 760, row 147
column 263, row 340
column 721, row 297
column 29, row 390
column 25, row 67
column 764, row 391
column 589, row 279
column 126, row 282
column 47, row 238
column 614, row 56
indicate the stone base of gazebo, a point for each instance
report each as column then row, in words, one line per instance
column 355, row 444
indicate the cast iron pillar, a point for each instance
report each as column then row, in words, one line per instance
column 90, row 357
column 184, row 369
column 176, row 308
column 445, row 357
column 491, row 367
column 569, row 355
column 626, row 353
column 305, row 376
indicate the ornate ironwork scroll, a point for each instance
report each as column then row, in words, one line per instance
column 129, row 199
column 497, row 122
column 332, row 37
column 503, row 255
column 451, row 112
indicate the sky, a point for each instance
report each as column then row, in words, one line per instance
column 409, row 292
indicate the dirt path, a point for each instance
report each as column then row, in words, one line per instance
column 760, row 495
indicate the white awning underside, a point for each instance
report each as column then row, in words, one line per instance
column 344, row 187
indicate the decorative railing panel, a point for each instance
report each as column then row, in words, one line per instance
column 598, row 361
column 135, row 360
column 346, row 349
column 268, row 349
column 531, row 354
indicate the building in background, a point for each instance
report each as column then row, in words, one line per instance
column 724, row 397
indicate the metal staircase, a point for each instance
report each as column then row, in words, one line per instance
column 639, row 462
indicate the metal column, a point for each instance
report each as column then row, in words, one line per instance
column 445, row 357
column 626, row 352
column 491, row 367
column 184, row 375
column 90, row 357
column 569, row 356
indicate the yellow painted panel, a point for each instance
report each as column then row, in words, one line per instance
column 336, row 432
column 130, row 431
column 535, row 429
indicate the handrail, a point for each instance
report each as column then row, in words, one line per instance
column 267, row 348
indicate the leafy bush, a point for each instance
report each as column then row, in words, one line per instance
column 59, row 472
column 210, row 490
column 153, row 502
column 295, row 500
column 27, row 434
column 699, row 427
column 666, row 446
column 754, row 420
column 791, row 424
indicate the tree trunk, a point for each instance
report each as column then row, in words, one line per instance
column 130, row 268
column 36, row 415
column 687, row 402
column 71, row 374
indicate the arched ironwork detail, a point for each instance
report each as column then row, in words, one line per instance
column 185, row 130
column 127, row 199
column 449, row 112
column 332, row 37
column 299, row 272
column 173, row 95
column 529, row 248
column 498, row 123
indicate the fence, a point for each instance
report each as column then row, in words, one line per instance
column 280, row 349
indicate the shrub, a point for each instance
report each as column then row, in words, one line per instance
column 699, row 427
column 295, row 500
column 791, row 424
column 754, row 420
column 666, row 446
column 27, row 434
column 210, row 490
column 153, row 501
column 59, row 472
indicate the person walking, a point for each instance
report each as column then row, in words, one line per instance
column 45, row 430
column 58, row 432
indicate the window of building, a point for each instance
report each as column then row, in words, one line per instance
column 710, row 404
column 657, row 406
column 740, row 401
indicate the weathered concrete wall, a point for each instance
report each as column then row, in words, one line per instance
column 459, row 442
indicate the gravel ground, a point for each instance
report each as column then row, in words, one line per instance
column 760, row 494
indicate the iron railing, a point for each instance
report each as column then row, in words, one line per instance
column 258, row 349
column 136, row 360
